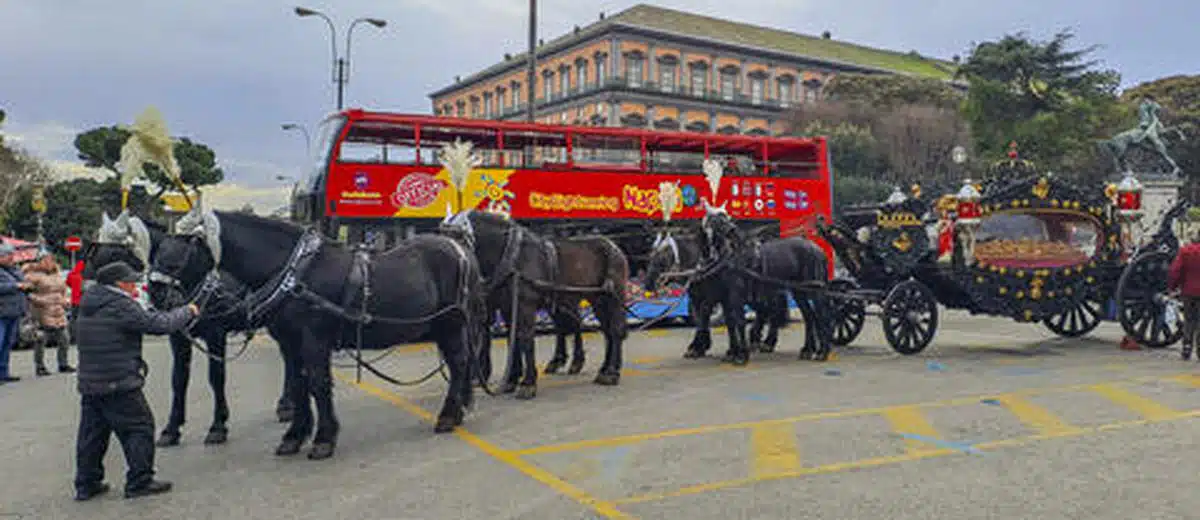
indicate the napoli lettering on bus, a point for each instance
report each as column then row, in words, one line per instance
column 567, row 202
column 646, row 202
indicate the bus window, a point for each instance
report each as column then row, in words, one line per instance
column 361, row 152
column 483, row 141
column 535, row 149
column 599, row 152
column 327, row 133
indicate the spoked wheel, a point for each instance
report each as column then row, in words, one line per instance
column 910, row 317
column 1142, row 301
column 1078, row 320
column 848, row 315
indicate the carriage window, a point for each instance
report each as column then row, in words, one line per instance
column 1037, row 239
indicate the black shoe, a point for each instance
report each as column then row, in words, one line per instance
column 92, row 492
column 155, row 487
column 9, row 379
column 41, row 371
column 66, row 369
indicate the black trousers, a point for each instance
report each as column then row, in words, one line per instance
column 1191, row 318
column 128, row 415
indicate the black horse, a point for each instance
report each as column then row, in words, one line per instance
column 546, row 274
column 323, row 294
column 683, row 254
column 213, row 327
column 748, row 271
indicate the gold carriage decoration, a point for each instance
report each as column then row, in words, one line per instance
column 1068, row 263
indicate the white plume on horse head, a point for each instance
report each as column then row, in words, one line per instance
column 139, row 239
column 713, row 171
column 459, row 158
column 668, row 198
column 109, row 232
column 202, row 222
column 449, row 213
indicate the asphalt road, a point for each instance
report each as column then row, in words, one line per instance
column 995, row 420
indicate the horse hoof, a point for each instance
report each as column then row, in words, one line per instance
column 216, row 437
column 741, row 360
column 167, row 440
column 320, row 451
column 1186, row 355
column 766, row 347
column 824, row 356
column 575, row 368
column 553, row 367
column 288, row 447
column 508, row 388
column 806, row 354
column 446, row 424
column 693, row 354
column 285, row 415
column 526, row 391
column 607, row 379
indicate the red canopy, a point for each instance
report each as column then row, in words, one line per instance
column 26, row 251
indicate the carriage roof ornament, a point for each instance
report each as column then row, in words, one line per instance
column 202, row 222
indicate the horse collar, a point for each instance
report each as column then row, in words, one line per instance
column 262, row 301
column 508, row 258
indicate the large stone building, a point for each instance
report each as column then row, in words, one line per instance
column 666, row 69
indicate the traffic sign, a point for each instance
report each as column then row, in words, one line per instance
column 73, row 244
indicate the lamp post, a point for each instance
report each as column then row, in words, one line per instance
column 38, row 203
column 341, row 66
column 307, row 138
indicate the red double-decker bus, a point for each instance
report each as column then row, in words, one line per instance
column 378, row 177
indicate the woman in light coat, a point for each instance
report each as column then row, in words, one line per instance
column 49, row 299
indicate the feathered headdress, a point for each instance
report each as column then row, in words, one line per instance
column 202, row 222
column 713, row 171
column 149, row 142
column 126, row 230
column 668, row 197
column 459, row 158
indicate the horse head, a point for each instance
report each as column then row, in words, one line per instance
column 458, row 227
column 186, row 256
column 719, row 228
column 664, row 256
column 123, row 239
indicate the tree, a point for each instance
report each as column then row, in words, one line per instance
column 917, row 141
column 73, row 208
column 1049, row 99
column 18, row 171
column 887, row 91
column 101, row 148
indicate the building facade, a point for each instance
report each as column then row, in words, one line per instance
column 660, row 68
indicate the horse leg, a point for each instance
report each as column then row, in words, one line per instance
column 218, row 432
column 561, row 328
column 810, row 329
column 483, row 352
column 317, row 355
column 302, row 418
column 285, row 409
column 453, row 343
column 181, row 371
column 611, row 313
column 735, row 324
column 526, row 350
column 823, row 329
column 577, row 355
column 777, row 318
column 702, row 341
column 756, row 328
column 512, row 370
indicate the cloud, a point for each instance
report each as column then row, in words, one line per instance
column 232, row 196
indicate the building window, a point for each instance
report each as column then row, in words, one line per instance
column 516, row 95
column 475, row 107
column 756, row 90
column 633, row 71
column 728, row 80
column 548, row 87
column 580, row 76
column 699, row 80
column 785, row 93
column 601, row 68
column 667, row 77
column 487, row 105
column 462, row 110
column 564, row 81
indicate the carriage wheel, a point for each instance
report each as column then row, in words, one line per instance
column 1078, row 320
column 910, row 317
column 1141, row 301
column 848, row 315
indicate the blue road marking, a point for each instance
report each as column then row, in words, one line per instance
column 960, row 446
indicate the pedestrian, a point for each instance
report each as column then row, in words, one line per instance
column 110, row 325
column 12, row 308
column 75, row 283
column 1184, row 278
column 48, row 301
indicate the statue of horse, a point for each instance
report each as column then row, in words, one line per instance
column 1148, row 135
column 742, row 271
column 545, row 274
column 129, row 239
column 326, row 294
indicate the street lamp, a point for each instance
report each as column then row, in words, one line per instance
column 341, row 66
column 307, row 138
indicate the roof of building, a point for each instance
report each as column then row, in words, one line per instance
column 661, row 19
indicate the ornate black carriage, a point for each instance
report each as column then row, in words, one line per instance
column 1021, row 244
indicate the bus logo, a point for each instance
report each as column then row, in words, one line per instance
column 417, row 190
column 361, row 180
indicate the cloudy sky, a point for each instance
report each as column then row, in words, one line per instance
column 228, row 73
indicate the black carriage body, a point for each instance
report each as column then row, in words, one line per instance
column 1020, row 286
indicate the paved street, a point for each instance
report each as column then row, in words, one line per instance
column 995, row 420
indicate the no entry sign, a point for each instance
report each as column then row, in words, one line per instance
column 73, row 244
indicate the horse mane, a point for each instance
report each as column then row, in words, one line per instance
column 270, row 224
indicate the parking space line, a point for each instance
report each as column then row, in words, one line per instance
column 833, row 414
column 603, row 508
column 895, row 459
column 774, row 449
column 1142, row 406
column 1033, row 416
column 1191, row 380
column 910, row 422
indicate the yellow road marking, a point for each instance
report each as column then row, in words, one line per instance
column 834, row 414
column 1033, row 416
column 603, row 508
column 774, row 449
column 647, row 360
column 910, row 420
column 1147, row 408
column 1191, row 380
column 893, row 459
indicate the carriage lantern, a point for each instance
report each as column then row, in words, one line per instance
column 968, row 209
column 1129, row 198
column 897, row 196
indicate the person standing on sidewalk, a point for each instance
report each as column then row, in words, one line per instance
column 75, row 283
column 12, row 308
column 1184, row 278
column 111, row 324
column 48, row 299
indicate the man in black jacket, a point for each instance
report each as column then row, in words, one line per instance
column 111, row 324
